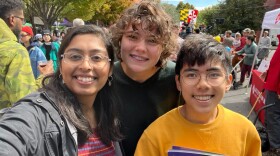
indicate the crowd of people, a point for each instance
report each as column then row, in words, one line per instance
column 135, row 89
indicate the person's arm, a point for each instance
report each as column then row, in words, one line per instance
column 253, row 50
column 240, row 52
column 20, row 131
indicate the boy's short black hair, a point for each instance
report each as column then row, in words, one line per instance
column 200, row 48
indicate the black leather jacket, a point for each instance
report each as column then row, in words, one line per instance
column 34, row 127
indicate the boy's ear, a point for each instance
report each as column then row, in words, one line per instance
column 178, row 84
column 229, row 80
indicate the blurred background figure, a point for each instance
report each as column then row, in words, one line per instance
column 35, row 53
column 56, row 36
column 49, row 48
column 78, row 22
column 38, row 40
column 264, row 46
column 176, row 29
column 228, row 39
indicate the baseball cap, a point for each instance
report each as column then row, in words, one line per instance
column 46, row 32
column 28, row 30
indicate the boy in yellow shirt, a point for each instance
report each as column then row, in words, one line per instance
column 202, row 76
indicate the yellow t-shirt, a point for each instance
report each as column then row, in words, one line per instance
column 230, row 134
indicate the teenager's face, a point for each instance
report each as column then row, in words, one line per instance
column 140, row 51
column 85, row 79
column 46, row 37
column 202, row 97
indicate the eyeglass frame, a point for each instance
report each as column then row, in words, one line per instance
column 206, row 77
column 24, row 35
column 21, row 18
column 63, row 56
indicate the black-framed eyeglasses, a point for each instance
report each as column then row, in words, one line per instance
column 77, row 59
column 21, row 18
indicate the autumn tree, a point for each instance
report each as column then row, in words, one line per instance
column 110, row 11
column 84, row 9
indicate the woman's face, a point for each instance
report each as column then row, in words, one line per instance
column 140, row 51
column 46, row 37
column 24, row 37
column 85, row 77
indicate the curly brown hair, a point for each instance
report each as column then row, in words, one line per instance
column 152, row 17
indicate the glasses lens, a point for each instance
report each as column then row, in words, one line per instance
column 213, row 78
column 190, row 78
column 22, row 19
column 99, row 61
column 77, row 59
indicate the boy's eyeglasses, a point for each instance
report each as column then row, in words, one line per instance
column 98, row 61
column 214, row 78
column 21, row 18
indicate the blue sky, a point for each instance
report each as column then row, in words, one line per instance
column 198, row 4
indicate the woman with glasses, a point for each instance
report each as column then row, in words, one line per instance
column 75, row 111
column 202, row 76
column 35, row 53
column 144, row 39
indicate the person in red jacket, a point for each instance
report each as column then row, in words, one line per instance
column 272, row 114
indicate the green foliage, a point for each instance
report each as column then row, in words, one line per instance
column 84, row 9
column 173, row 13
column 47, row 10
column 110, row 11
column 237, row 15
column 182, row 6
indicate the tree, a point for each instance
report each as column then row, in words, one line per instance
column 182, row 6
column 242, row 13
column 110, row 11
column 237, row 15
column 47, row 10
column 206, row 17
column 50, row 10
column 171, row 10
column 84, row 9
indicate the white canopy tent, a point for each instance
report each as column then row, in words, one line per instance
column 271, row 20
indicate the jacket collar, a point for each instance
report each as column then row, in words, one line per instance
column 6, row 33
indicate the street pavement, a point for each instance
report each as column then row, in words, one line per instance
column 238, row 100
